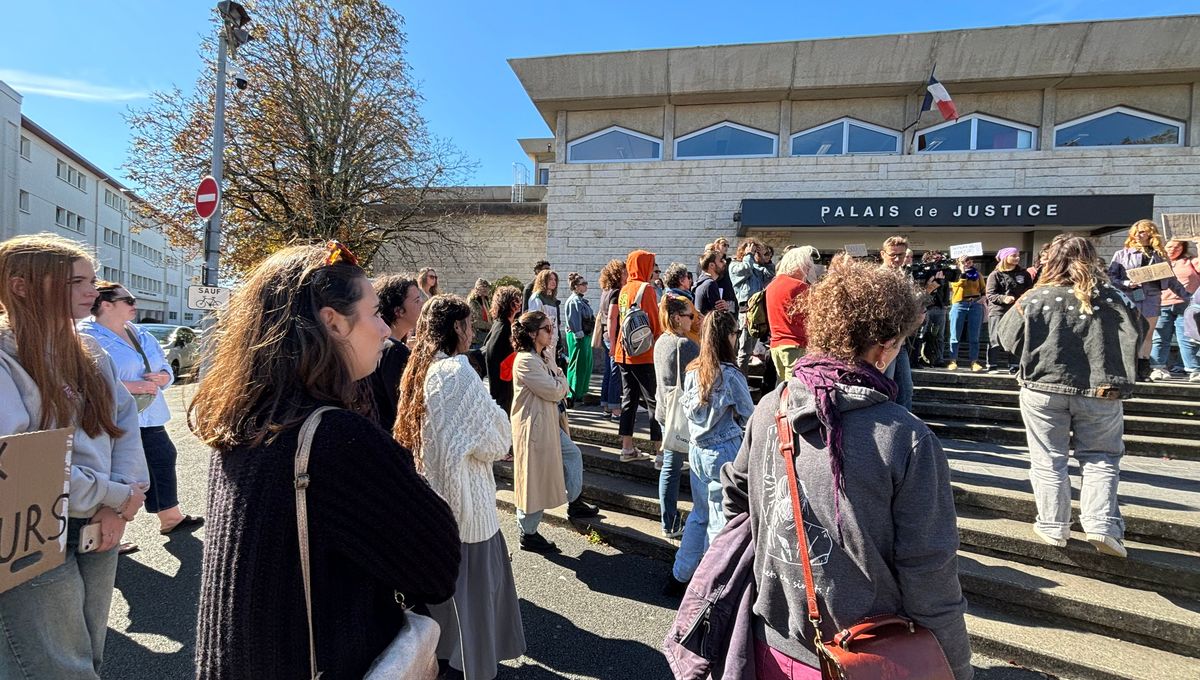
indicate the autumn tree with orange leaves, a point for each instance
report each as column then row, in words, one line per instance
column 326, row 141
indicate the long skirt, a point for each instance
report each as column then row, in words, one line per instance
column 579, row 365
column 487, row 627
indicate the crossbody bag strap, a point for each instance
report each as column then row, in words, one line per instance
column 303, row 448
column 138, row 346
column 638, row 300
column 787, row 450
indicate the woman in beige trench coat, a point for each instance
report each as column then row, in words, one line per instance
column 547, row 465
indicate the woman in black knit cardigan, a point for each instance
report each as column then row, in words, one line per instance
column 298, row 334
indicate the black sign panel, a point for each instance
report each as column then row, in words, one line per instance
column 973, row 211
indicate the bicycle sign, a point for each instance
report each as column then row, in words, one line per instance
column 207, row 297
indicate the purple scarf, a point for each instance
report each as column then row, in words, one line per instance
column 821, row 374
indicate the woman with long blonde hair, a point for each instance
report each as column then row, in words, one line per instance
column 456, row 431
column 54, row 625
column 716, row 400
column 1076, row 337
column 1143, row 247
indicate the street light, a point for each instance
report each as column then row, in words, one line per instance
column 231, row 36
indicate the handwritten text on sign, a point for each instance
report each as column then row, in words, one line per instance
column 35, row 477
column 966, row 250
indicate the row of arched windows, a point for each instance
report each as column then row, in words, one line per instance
column 1118, row 126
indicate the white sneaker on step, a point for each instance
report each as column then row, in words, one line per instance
column 1050, row 540
column 632, row 455
column 1107, row 545
column 1159, row 374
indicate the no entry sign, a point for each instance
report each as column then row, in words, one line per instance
column 208, row 197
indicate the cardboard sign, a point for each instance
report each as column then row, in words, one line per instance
column 35, row 477
column 1153, row 272
column 966, row 250
column 856, row 249
column 1184, row 226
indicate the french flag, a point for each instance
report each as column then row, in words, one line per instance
column 936, row 92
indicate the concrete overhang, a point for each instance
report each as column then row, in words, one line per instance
column 1149, row 51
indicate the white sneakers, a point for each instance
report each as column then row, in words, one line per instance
column 1159, row 374
column 1050, row 540
column 1107, row 545
column 632, row 455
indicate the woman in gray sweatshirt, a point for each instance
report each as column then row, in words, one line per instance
column 50, row 378
column 672, row 352
column 878, row 509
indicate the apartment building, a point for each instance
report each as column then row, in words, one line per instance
column 46, row 186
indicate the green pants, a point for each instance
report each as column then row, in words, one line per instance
column 785, row 358
column 579, row 365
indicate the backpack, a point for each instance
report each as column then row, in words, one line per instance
column 712, row 635
column 637, row 337
column 757, row 323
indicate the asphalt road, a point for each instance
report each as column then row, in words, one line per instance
column 592, row 612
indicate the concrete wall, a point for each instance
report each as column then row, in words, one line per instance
column 1172, row 101
column 886, row 112
column 760, row 116
column 500, row 245
column 648, row 121
column 601, row 211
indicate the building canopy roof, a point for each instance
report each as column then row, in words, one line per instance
column 1125, row 52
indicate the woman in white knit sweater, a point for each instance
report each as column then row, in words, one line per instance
column 456, row 431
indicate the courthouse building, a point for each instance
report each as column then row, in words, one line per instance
column 46, row 186
column 1079, row 126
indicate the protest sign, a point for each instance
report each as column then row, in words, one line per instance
column 35, row 477
column 966, row 250
column 1184, row 226
column 856, row 249
column 1153, row 272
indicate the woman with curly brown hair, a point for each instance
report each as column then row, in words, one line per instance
column 456, row 432
column 878, row 509
column 498, row 349
column 612, row 277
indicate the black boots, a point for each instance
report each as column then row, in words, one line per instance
column 580, row 509
column 1143, row 370
column 535, row 542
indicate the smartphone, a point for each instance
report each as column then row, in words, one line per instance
column 89, row 538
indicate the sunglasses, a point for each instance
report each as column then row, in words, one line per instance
column 339, row 254
column 548, row 329
column 127, row 299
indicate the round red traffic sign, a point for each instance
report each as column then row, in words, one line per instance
column 208, row 197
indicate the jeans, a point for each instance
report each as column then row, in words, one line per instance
column 668, row 489
column 572, row 459
column 901, row 372
column 1169, row 327
column 54, row 625
column 610, row 387
column 930, row 343
column 163, row 493
column 745, row 344
column 970, row 313
column 638, row 382
column 708, row 517
column 1056, row 423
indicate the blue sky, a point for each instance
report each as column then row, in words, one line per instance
column 81, row 63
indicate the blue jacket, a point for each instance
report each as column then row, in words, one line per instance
column 130, row 366
column 749, row 277
column 728, row 409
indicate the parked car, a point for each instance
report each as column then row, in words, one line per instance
column 180, row 344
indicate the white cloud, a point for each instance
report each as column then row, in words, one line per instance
column 67, row 88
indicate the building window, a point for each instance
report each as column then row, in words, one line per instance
column 614, row 145
column 69, row 220
column 726, row 140
column 172, row 290
column 69, row 174
column 172, row 315
column 543, row 176
column 977, row 132
column 845, row 136
column 114, row 201
column 112, row 238
column 111, row 274
column 25, row 147
column 188, row 316
column 23, row 201
column 1119, row 126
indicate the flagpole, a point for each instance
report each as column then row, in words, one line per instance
column 921, row 110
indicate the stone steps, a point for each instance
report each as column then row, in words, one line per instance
column 1165, row 428
column 1013, row 434
column 967, row 380
column 1180, row 409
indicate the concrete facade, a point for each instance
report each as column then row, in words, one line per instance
column 600, row 210
column 45, row 186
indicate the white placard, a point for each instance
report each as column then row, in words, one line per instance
column 966, row 250
column 856, row 249
column 207, row 297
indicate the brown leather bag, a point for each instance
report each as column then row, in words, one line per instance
column 887, row 646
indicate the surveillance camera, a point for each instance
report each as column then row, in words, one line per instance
column 239, row 77
column 241, row 83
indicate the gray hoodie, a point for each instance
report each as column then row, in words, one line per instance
column 102, row 468
column 896, row 549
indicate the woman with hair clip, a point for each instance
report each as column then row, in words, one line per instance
column 547, row 465
column 1143, row 247
column 1077, row 339
column 54, row 625
column 873, row 483
column 717, row 403
column 144, row 370
column 456, row 431
column 300, row 333
column 580, row 322
column 672, row 351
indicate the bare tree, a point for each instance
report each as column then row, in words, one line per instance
column 326, row 142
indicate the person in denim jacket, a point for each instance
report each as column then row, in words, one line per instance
column 1076, row 337
column 750, row 272
column 1143, row 247
column 717, row 403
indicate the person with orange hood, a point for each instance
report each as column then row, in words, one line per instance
column 638, row 380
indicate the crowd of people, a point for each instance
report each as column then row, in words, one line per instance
column 429, row 390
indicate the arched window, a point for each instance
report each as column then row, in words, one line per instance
column 1119, row 126
column 614, row 145
column 977, row 132
column 844, row 136
column 726, row 140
